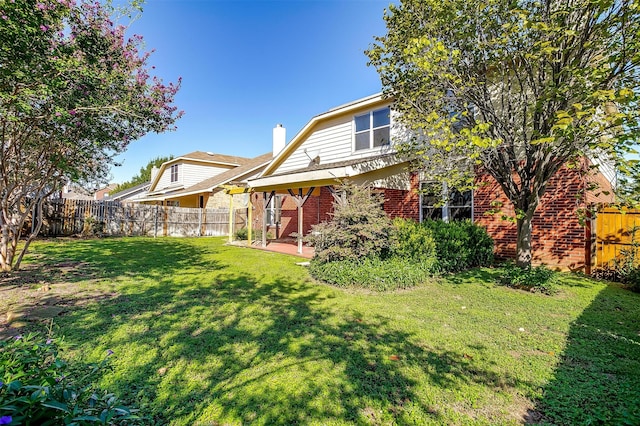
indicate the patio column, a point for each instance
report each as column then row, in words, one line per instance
column 230, row 217
column 249, row 218
column 299, row 199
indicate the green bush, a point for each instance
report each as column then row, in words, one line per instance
column 358, row 229
column 372, row 273
column 38, row 387
column 256, row 234
column 460, row 245
column 535, row 279
column 241, row 234
column 412, row 241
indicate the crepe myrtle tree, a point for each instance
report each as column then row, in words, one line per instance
column 74, row 91
column 516, row 88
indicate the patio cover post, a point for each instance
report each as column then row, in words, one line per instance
column 300, row 200
column 249, row 218
column 300, row 229
column 230, row 217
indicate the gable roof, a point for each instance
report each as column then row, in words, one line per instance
column 211, row 158
column 349, row 108
column 253, row 165
column 126, row 192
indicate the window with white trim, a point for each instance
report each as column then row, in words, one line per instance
column 372, row 130
column 174, row 172
column 274, row 209
column 457, row 206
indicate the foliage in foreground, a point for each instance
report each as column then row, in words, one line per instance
column 38, row 387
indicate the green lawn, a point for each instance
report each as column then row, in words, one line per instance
column 210, row 334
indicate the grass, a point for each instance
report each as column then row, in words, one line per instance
column 210, row 334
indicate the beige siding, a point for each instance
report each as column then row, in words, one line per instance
column 188, row 174
column 333, row 141
column 195, row 173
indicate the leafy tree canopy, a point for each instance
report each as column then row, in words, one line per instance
column 519, row 87
column 74, row 91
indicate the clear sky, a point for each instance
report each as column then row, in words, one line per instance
column 249, row 65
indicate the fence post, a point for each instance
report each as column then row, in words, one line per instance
column 200, row 222
column 155, row 223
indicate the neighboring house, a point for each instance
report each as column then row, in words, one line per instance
column 197, row 179
column 103, row 193
column 131, row 195
column 75, row 192
column 354, row 142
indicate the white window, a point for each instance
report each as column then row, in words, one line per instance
column 174, row 173
column 274, row 209
column 457, row 206
column 372, row 129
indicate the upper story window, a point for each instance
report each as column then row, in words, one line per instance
column 372, row 129
column 458, row 206
column 174, row 172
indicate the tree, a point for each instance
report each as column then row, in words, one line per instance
column 518, row 88
column 74, row 91
column 144, row 175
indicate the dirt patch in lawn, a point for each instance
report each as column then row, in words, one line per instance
column 39, row 293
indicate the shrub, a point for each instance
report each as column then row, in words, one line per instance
column 412, row 241
column 372, row 273
column 535, row 279
column 460, row 244
column 93, row 227
column 358, row 229
column 256, row 234
column 37, row 386
column 241, row 234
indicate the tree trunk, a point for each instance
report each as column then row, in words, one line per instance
column 524, row 250
column 37, row 218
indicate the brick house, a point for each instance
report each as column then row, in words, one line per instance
column 354, row 142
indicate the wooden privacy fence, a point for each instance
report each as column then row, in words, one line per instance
column 64, row 217
column 617, row 232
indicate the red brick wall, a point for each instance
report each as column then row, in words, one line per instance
column 316, row 210
column 401, row 203
column 559, row 240
column 397, row 203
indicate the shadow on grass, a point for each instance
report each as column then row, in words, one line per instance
column 64, row 260
column 55, row 279
column 486, row 276
column 598, row 378
column 271, row 350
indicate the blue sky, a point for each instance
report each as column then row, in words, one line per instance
column 249, row 65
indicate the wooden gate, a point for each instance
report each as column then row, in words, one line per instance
column 617, row 231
